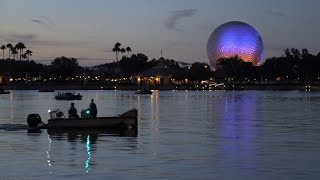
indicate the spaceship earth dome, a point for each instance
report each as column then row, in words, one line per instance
column 235, row 38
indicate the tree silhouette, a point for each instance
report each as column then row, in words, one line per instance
column 24, row 56
column 294, row 65
column 122, row 50
column 135, row 63
column 3, row 47
column 20, row 46
column 9, row 46
column 63, row 66
column 17, row 47
column 128, row 49
column 28, row 53
column 296, row 53
column 287, row 53
column 116, row 49
column 236, row 69
column 14, row 52
column 200, row 71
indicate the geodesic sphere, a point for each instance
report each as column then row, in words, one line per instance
column 235, row 39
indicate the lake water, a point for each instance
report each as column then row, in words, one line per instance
column 182, row 135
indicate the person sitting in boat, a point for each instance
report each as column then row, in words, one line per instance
column 73, row 112
column 93, row 109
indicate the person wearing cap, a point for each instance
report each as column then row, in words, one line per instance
column 73, row 112
column 93, row 109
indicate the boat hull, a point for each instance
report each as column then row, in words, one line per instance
column 126, row 120
column 74, row 133
column 103, row 122
column 68, row 96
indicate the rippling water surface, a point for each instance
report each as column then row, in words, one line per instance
column 182, row 135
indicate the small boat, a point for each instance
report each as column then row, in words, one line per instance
column 4, row 92
column 144, row 91
column 126, row 120
column 68, row 96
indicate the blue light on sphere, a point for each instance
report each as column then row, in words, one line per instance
column 235, row 39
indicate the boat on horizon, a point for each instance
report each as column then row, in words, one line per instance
column 144, row 91
column 4, row 92
column 68, row 96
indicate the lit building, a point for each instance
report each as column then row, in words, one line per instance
column 158, row 75
column 235, row 39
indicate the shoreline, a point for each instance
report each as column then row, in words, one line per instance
column 275, row 87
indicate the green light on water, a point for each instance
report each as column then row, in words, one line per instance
column 87, row 163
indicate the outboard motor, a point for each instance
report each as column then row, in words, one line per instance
column 56, row 114
column 34, row 120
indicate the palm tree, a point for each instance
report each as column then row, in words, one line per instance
column 3, row 47
column 9, row 46
column 23, row 47
column 17, row 48
column 14, row 52
column 128, row 50
column 122, row 50
column 24, row 56
column 116, row 49
column 28, row 53
column 20, row 46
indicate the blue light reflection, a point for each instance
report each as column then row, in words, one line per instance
column 239, row 130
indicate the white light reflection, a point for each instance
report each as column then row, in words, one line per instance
column 48, row 153
column 87, row 164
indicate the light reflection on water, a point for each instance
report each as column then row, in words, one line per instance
column 87, row 164
column 48, row 153
column 182, row 134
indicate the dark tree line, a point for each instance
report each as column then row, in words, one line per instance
column 64, row 67
column 61, row 66
column 139, row 62
column 20, row 68
column 235, row 68
column 293, row 66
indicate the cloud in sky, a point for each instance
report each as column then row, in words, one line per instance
column 292, row 18
column 276, row 13
column 176, row 16
column 32, row 39
column 16, row 37
column 43, row 21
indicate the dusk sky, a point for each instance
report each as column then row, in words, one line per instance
column 88, row 29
